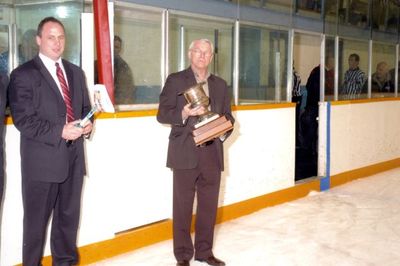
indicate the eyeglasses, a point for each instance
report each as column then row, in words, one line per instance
column 199, row 53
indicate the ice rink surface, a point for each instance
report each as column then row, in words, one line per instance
column 354, row 224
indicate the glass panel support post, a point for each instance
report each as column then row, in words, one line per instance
column 277, row 76
column 236, row 63
column 370, row 55
column 182, row 54
column 322, row 69
column 336, row 81
column 289, row 85
column 164, row 46
column 396, row 72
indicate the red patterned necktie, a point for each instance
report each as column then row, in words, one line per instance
column 66, row 94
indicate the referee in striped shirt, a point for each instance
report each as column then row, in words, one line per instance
column 354, row 78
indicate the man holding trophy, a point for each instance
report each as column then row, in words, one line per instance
column 196, row 103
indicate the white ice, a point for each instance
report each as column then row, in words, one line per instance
column 354, row 224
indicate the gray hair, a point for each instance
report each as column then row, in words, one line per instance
column 202, row 40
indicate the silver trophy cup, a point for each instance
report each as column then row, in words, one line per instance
column 196, row 96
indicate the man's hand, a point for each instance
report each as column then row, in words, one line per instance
column 71, row 131
column 187, row 111
column 87, row 128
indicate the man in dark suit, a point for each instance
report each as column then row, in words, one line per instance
column 3, row 102
column 48, row 97
column 194, row 168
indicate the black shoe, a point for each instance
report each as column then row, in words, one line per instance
column 212, row 261
column 183, row 263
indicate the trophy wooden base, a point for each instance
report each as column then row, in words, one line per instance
column 211, row 130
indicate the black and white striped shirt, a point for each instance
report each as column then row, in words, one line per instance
column 353, row 82
column 296, row 91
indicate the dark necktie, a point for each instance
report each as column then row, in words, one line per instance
column 66, row 94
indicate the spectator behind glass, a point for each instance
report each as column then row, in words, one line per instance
column 313, row 81
column 329, row 75
column 354, row 78
column 381, row 78
column 26, row 51
column 309, row 123
column 357, row 13
column 124, row 89
column 297, row 98
column 296, row 90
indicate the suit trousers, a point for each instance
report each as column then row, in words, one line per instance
column 204, row 181
column 40, row 200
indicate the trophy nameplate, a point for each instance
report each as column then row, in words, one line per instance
column 210, row 125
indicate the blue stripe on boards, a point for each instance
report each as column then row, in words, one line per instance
column 325, row 181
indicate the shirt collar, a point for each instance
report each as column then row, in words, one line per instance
column 197, row 76
column 48, row 62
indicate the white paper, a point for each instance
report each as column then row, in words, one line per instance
column 99, row 98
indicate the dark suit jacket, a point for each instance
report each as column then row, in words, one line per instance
column 182, row 150
column 38, row 111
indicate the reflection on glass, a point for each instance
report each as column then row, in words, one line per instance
column 262, row 64
column 353, row 63
column 4, row 54
column 124, row 89
column 29, row 16
column 184, row 29
column 136, row 56
column 385, row 16
column 306, row 59
column 331, row 7
column 329, row 68
column 276, row 5
column 27, row 49
column 331, row 17
column 309, row 5
column 383, row 70
column 354, row 12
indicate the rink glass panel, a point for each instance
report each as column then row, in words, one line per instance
column 383, row 52
column 346, row 48
column 26, row 15
column 263, row 61
column 183, row 29
column 29, row 15
column 4, row 49
column 140, row 31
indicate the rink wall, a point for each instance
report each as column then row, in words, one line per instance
column 364, row 138
column 128, row 185
column 127, row 194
